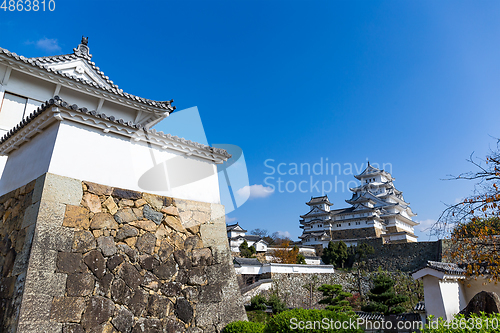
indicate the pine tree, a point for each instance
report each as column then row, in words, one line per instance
column 246, row 251
column 382, row 297
column 335, row 298
column 336, row 253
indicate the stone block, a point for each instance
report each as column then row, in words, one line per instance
column 80, row 284
column 138, row 303
column 174, row 223
column 192, row 242
column 98, row 310
column 50, row 214
column 125, row 215
column 83, row 241
column 150, row 281
column 45, row 283
column 182, row 259
column 30, row 215
column 67, row 309
column 114, row 261
column 70, row 263
column 104, row 284
column 77, row 217
column 62, row 189
column 152, row 215
column 73, row 328
column 130, row 275
column 184, row 310
column 146, row 243
column 171, row 289
column 96, row 262
column 126, row 194
column 202, row 257
column 127, row 231
column 39, row 260
column 124, row 320
column 103, row 221
column 39, row 327
column 155, row 201
column 217, row 211
column 120, row 292
column 214, row 235
column 107, row 245
column 35, row 308
column 99, row 189
column 110, row 204
column 158, row 306
column 165, row 271
column 53, row 238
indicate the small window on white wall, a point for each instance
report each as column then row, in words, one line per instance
column 13, row 109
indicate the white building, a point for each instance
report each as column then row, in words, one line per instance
column 93, row 130
column 377, row 210
column 237, row 235
column 447, row 291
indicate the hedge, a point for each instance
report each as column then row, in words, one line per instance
column 244, row 327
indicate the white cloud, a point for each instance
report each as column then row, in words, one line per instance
column 284, row 234
column 255, row 191
column 231, row 219
column 426, row 224
column 46, row 44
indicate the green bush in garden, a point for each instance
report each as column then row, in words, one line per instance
column 302, row 320
column 244, row 327
column 482, row 323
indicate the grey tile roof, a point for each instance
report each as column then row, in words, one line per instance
column 445, row 267
column 238, row 262
column 56, row 101
column 43, row 63
column 419, row 307
column 233, row 226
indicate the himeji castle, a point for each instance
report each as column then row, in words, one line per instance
column 377, row 210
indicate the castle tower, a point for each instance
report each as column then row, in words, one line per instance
column 378, row 210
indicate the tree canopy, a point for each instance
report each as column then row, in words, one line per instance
column 246, row 251
column 382, row 297
column 335, row 254
column 474, row 223
column 335, row 298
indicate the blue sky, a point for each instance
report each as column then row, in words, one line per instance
column 411, row 83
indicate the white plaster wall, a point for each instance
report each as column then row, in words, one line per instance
column 74, row 97
column 89, row 154
column 30, row 161
column 450, row 291
column 476, row 286
column 29, row 86
column 288, row 268
column 248, row 270
column 433, row 299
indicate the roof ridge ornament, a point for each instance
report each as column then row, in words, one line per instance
column 83, row 50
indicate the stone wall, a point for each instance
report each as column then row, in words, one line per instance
column 356, row 233
column 294, row 289
column 406, row 257
column 112, row 260
column 15, row 244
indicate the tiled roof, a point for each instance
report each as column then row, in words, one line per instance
column 56, row 101
column 238, row 262
column 445, row 267
column 233, row 226
column 316, row 200
column 419, row 307
column 43, row 63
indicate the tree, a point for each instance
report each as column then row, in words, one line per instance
column 382, row 297
column 360, row 253
column 335, row 253
column 301, row 259
column 473, row 224
column 283, row 254
column 246, row 251
column 335, row 298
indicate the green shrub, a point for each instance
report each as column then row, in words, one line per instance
column 277, row 305
column 258, row 316
column 297, row 320
column 244, row 327
column 258, row 302
column 483, row 323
